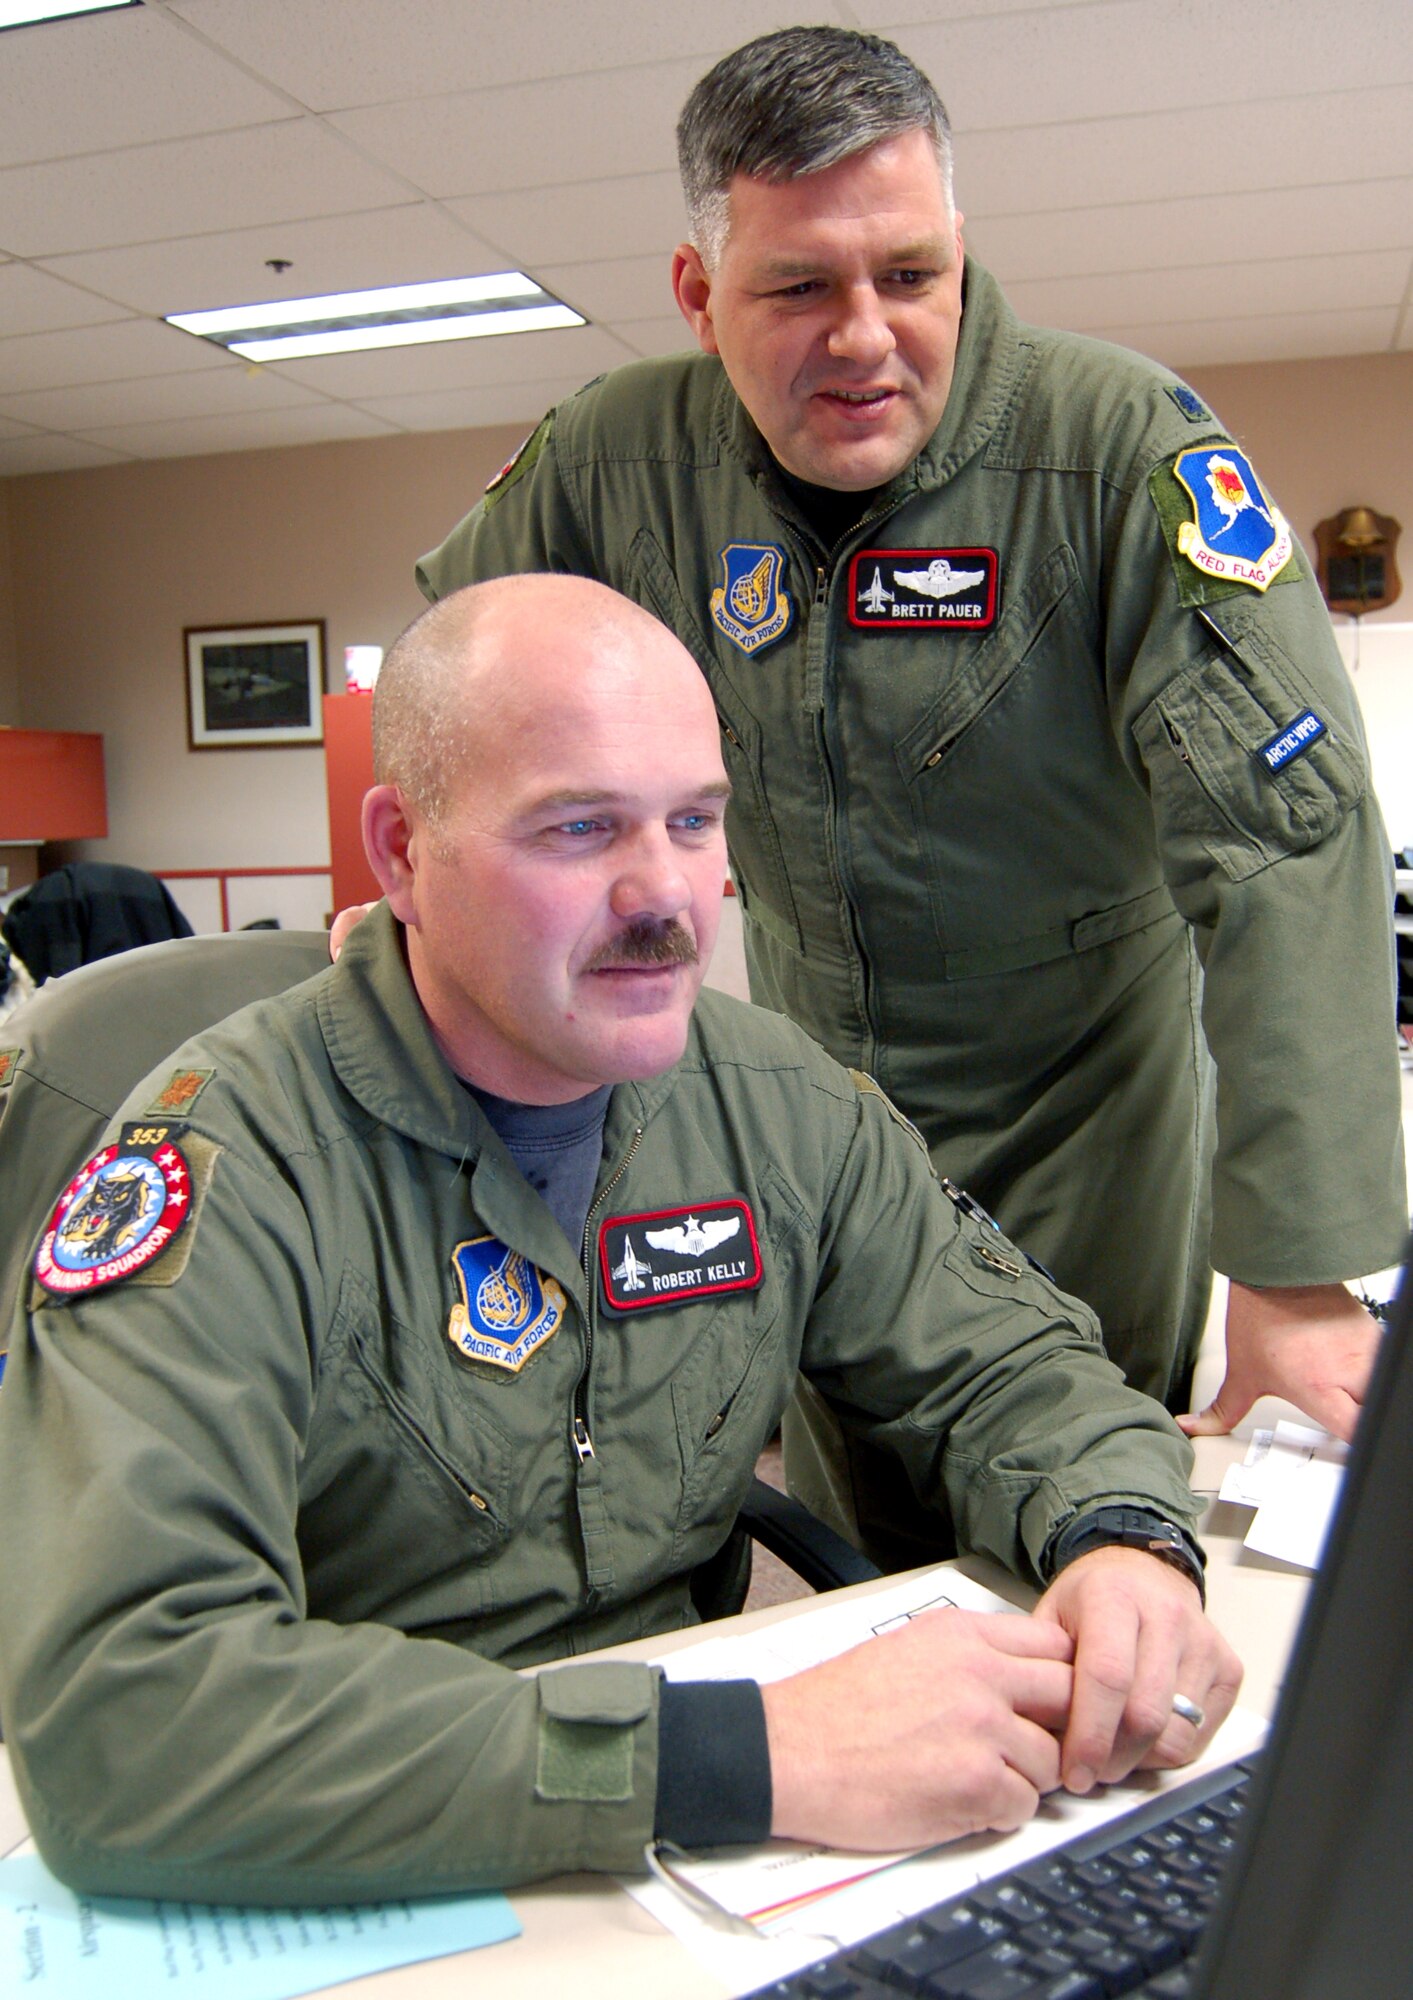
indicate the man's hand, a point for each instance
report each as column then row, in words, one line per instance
column 1312, row 1344
column 945, row 1727
column 1140, row 1637
column 343, row 923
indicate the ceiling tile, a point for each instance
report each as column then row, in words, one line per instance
column 44, row 452
column 127, row 347
column 1218, row 292
column 456, row 364
column 1137, row 236
column 1198, row 153
column 121, row 80
column 621, row 288
column 1286, row 337
column 470, row 408
column 334, row 253
column 260, row 430
column 581, row 219
column 32, row 301
column 1055, row 65
column 442, row 45
column 530, row 135
column 229, row 389
column 671, row 335
column 186, row 187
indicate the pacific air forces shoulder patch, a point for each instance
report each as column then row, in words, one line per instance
column 670, row 1256
column 508, row 1307
column 1224, row 531
column 752, row 607
column 123, row 1210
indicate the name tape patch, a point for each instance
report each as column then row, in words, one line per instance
column 120, row 1211
column 508, row 1307
column 669, row 1256
column 937, row 590
column 1292, row 742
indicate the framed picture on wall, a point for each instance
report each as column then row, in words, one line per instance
column 254, row 687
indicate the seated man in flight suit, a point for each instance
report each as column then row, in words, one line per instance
column 439, row 1334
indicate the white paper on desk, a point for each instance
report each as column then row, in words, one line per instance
column 60, row 1946
column 904, row 1887
column 891, row 1887
column 1292, row 1476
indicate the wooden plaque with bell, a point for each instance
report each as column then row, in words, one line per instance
column 1357, row 567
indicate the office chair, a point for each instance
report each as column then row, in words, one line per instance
column 70, row 1056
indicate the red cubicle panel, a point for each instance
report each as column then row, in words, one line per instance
column 348, row 772
column 51, row 786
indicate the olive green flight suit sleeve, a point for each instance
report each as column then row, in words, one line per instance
column 933, row 1340
column 1286, row 879
column 540, row 531
column 177, row 1723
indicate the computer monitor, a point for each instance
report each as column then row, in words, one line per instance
column 1318, row 1901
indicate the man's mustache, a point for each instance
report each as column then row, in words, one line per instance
column 645, row 943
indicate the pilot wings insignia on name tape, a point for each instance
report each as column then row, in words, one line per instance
column 669, row 1256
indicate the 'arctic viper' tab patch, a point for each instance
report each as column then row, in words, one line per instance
column 120, row 1211
column 1292, row 742
column 752, row 607
column 937, row 590
column 507, row 1308
column 670, row 1256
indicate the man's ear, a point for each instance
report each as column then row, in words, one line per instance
column 387, row 841
column 691, row 287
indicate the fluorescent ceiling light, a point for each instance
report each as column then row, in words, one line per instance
column 20, row 13
column 390, row 316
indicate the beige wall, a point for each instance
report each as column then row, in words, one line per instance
column 9, row 674
column 112, row 564
column 109, row 565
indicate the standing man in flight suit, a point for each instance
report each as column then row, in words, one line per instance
column 1033, row 718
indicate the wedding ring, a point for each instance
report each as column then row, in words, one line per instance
column 1189, row 1711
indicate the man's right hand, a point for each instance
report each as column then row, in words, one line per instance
column 343, row 923
column 946, row 1727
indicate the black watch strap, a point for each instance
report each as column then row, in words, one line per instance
column 1129, row 1528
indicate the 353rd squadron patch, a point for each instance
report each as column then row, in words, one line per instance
column 120, row 1211
column 508, row 1307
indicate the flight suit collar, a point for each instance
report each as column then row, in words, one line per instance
column 382, row 1047
column 989, row 360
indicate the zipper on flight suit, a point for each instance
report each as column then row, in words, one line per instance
column 598, row 1570
column 819, row 605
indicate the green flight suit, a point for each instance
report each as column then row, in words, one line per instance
column 276, row 1536
column 990, row 866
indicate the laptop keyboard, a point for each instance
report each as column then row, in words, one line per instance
column 1118, row 1911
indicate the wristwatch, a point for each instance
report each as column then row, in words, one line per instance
column 1129, row 1528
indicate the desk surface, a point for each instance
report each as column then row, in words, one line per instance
column 583, row 1926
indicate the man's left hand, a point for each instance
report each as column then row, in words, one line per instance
column 1312, row 1344
column 1140, row 1638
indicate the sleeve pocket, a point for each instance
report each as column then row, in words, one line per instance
column 1201, row 740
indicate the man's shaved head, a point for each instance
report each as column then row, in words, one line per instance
column 446, row 680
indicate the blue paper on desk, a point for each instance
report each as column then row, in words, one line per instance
column 55, row 1945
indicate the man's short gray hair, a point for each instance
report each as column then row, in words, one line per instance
column 795, row 102
column 421, row 716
